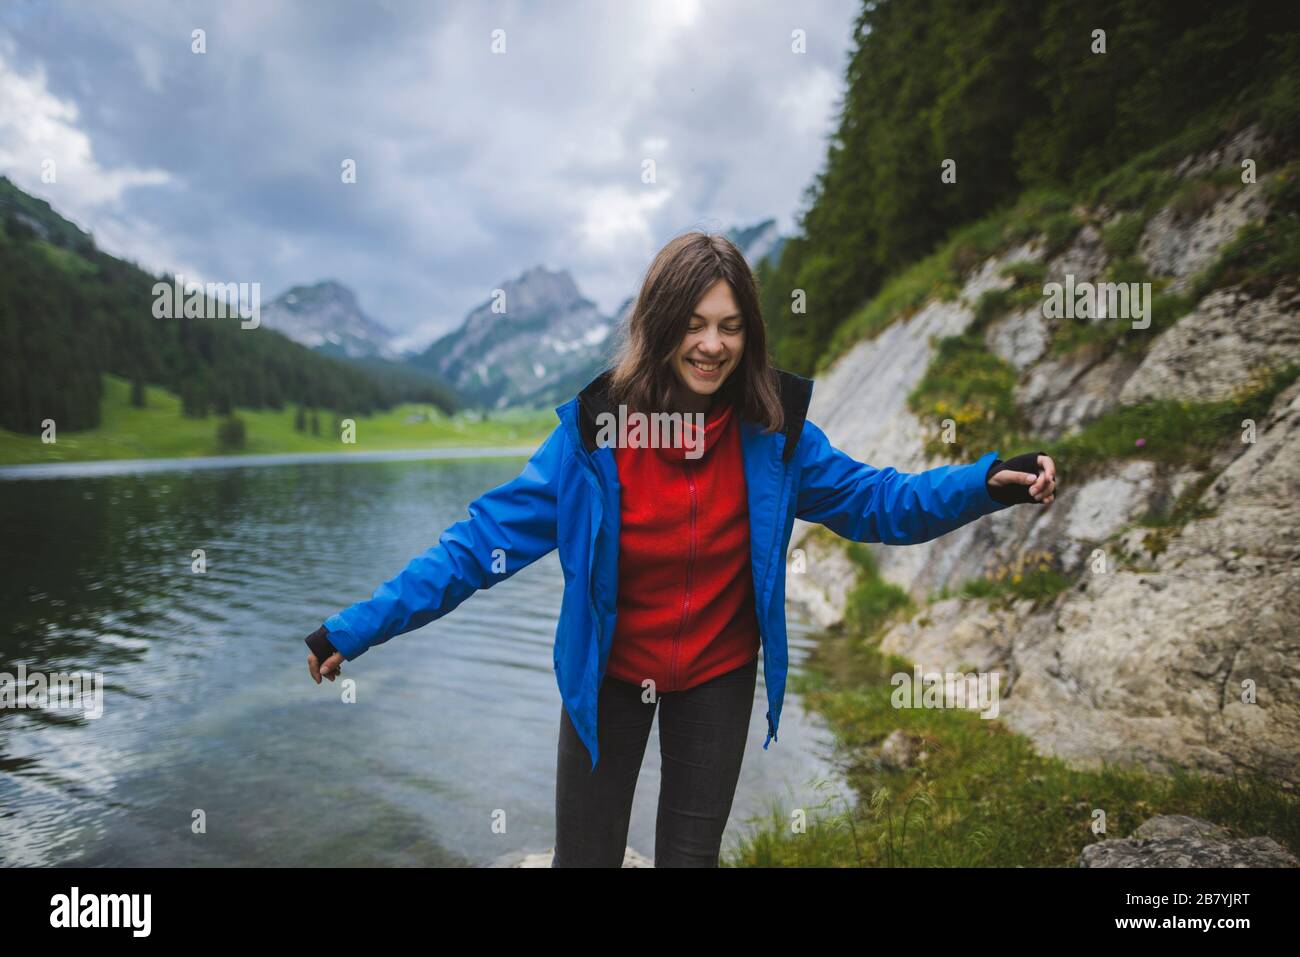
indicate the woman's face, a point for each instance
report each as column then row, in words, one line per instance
column 713, row 345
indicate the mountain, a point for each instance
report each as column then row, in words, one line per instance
column 326, row 317
column 551, row 340
column 70, row 312
column 759, row 242
column 548, row 340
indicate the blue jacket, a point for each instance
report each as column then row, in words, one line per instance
column 567, row 498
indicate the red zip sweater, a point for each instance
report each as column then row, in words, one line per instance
column 685, row 587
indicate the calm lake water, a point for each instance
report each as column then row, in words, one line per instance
column 207, row 700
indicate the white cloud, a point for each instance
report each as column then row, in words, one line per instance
column 39, row 132
column 472, row 167
column 36, row 127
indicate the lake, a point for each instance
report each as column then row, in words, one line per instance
column 208, row 706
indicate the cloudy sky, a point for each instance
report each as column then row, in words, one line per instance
column 471, row 166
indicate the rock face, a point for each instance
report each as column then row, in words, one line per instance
column 1216, row 349
column 1179, row 246
column 1192, row 658
column 1181, row 647
column 1179, row 841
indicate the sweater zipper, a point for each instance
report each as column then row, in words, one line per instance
column 686, row 598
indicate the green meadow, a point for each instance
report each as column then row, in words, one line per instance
column 158, row 430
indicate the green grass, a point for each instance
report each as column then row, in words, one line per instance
column 159, row 431
column 1035, row 576
column 1025, row 273
column 983, row 796
column 901, row 296
column 1145, row 182
column 975, row 390
column 1121, row 237
column 1044, row 212
column 1178, row 432
column 873, row 603
column 1039, row 584
column 1071, row 336
column 1261, row 255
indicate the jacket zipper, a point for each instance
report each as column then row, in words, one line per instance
column 686, row 598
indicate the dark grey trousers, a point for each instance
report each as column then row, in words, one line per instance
column 702, row 735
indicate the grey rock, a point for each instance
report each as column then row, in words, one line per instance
column 898, row 751
column 1247, row 143
column 1172, row 246
column 1179, row 825
column 1179, row 841
column 1227, row 340
column 1020, row 338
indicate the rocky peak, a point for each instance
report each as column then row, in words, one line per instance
column 327, row 316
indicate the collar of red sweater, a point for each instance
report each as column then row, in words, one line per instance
column 688, row 445
column 593, row 401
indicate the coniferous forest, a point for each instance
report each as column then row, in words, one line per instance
column 1014, row 94
column 70, row 312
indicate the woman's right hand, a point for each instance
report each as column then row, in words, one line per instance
column 331, row 669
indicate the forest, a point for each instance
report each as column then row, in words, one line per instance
column 69, row 312
column 1017, row 95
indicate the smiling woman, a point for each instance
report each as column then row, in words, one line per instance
column 696, row 333
column 674, row 564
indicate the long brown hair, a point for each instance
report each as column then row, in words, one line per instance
column 681, row 273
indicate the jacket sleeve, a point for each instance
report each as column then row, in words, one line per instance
column 866, row 504
column 509, row 527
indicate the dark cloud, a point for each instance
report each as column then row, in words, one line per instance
column 471, row 166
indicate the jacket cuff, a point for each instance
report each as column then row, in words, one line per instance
column 342, row 638
column 320, row 645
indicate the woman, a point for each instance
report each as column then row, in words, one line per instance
column 673, row 551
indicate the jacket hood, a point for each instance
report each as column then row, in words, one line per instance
column 795, row 391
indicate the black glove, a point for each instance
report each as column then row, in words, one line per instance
column 1013, row 494
column 319, row 643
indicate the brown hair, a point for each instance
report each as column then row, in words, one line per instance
column 681, row 273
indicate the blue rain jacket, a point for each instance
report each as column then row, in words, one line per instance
column 567, row 498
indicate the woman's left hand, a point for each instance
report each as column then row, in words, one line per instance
column 1042, row 487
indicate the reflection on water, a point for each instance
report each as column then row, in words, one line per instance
column 208, row 706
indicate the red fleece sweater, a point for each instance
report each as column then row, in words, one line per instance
column 685, row 587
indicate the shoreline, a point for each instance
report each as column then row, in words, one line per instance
column 93, row 468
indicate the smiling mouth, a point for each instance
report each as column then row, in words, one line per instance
column 705, row 366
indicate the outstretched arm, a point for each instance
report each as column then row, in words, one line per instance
column 509, row 527
column 867, row 504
